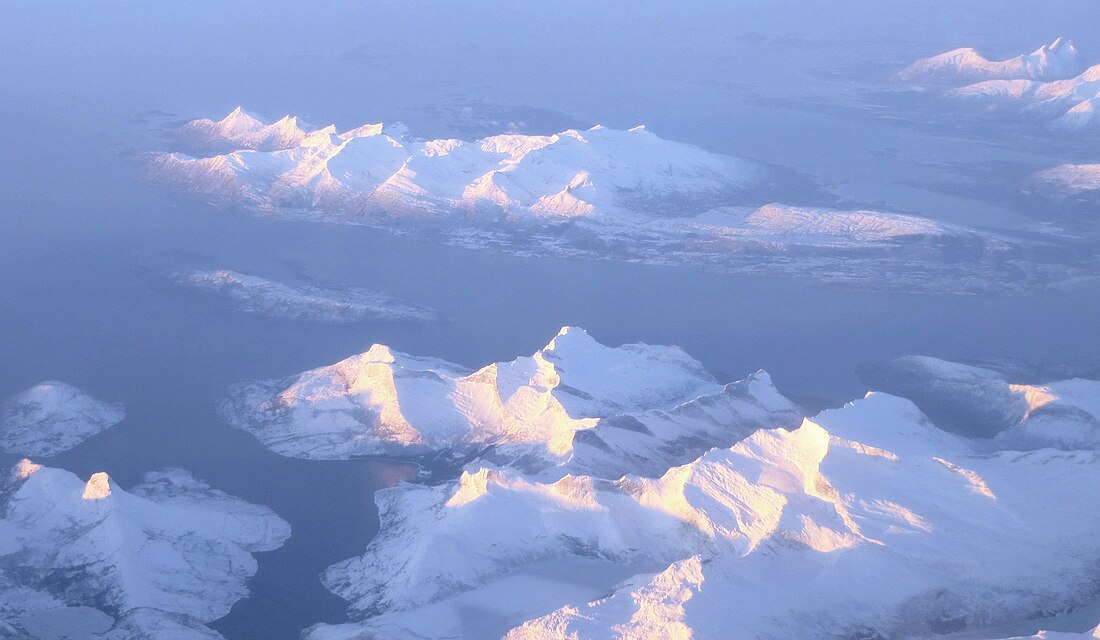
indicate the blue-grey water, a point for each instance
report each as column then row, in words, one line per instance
column 86, row 247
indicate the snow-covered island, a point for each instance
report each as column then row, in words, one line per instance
column 88, row 559
column 622, row 492
column 52, row 417
column 601, row 192
column 260, row 295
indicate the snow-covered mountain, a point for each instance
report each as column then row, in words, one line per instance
column 90, row 560
column 604, row 193
column 1055, row 61
column 52, row 417
column 1051, row 84
column 375, row 170
column 865, row 521
column 574, row 406
column 267, row 297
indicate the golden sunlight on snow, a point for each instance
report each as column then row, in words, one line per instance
column 98, row 487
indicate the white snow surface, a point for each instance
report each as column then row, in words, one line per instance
column 1055, row 61
column 574, row 405
column 267, row 297
column 865, row 521
column 157, row 561
column 52, row 417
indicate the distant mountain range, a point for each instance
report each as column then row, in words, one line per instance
column 1052, row 83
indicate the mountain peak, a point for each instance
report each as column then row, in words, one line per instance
column 568, row 329
column 98, row 487
column 286, row 122
column 570, row 335
column 380, row 353
column 240, row 117
column 24, row 469
column 1066, row 58
column 471, row 486
column 760, row 375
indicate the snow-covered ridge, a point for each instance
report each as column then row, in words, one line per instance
column 814, row 531
column 1051, row 84
column 573, row 406
column 242, row 130
column 981, row 402
column 52, row 417
column 268, row 297
column 1055, row 61
column 378, row 170
column 89, row 558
